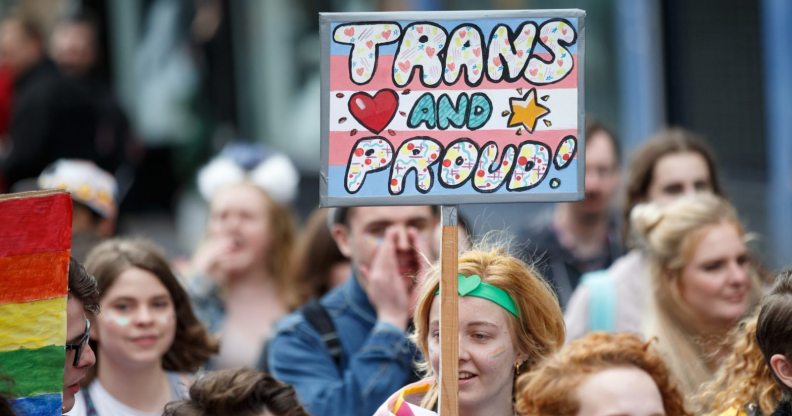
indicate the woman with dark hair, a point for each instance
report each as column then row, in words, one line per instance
column 238, row 392
column 673, row 163
column 147, row 338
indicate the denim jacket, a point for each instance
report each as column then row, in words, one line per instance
column 377, row 358
column 206, row 302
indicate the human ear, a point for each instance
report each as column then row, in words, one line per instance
column 782, row 367
column 341, row 236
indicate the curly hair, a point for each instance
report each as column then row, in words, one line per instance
column 239, row 392
column 743, row 378
column 193, row 345
column 550, row 388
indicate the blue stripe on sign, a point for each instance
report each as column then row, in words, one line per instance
column 41, row 405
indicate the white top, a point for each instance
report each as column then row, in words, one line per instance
column 631, row 282
column 107, row 405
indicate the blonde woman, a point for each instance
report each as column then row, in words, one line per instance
column 703, row 282
column 509, row 319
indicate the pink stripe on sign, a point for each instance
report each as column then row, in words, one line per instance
column 341, row 143
column 339, row 78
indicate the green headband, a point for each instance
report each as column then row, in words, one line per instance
column 473, row 286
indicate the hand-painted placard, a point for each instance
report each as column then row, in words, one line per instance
column 452, row 107
column 34, row 260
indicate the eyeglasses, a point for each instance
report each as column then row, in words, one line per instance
column 78, row 347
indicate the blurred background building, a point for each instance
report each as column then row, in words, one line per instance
column 193, row 74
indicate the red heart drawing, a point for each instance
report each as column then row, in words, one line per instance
column 374, row 113
column 349, row 31
column 430, row 51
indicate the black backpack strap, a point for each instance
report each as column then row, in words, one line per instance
column 316, row 315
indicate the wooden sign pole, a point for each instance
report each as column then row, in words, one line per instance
column 449, row 314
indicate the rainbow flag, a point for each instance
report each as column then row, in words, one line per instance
column 35, row 240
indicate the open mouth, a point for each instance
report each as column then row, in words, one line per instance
column 236, row 244
column 465, row 376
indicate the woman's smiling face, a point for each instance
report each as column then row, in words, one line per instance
column 138, row 320
column 486, row 352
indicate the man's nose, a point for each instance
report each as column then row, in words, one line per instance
column 87, row 358
column 402, row 238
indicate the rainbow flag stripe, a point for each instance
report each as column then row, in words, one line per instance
column 35, row 240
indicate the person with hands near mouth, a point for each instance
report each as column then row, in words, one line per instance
column 147, row 339
column 240, row 282
column 370, row 355
column 509, row 319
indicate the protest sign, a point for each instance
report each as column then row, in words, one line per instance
column 448, row 108
column 34, row 262
column 452, row 107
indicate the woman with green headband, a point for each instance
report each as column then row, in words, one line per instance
column 509, row 319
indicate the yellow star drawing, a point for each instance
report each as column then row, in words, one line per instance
column 526, row 111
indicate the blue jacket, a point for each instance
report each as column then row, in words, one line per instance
column 377, row 358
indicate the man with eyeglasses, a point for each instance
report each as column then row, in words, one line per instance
column 580, row 237
column 83, row 298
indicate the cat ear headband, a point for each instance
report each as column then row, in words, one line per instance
column 272, row 172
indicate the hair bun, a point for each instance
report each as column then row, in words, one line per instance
column 644, row 218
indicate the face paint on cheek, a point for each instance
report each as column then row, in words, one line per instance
column 497, row 353
column 374, row 240
column 118, row 320
column 165, row 319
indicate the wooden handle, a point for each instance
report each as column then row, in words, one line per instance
column 449, row 315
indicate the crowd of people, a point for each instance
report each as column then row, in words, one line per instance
column 660, row 309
